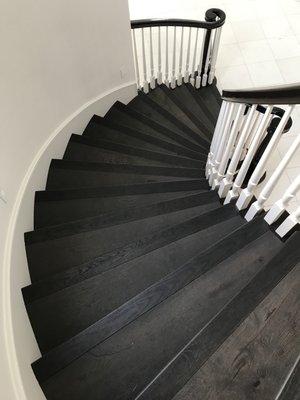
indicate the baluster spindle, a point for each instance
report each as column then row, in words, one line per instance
column 152, row 78
column 214, row 55
column 145, row 84
column 137, row 68
column 229, row 147
column 249, row 157
column 226, row 183
column 257, row 206
column 207, row 57
column 215, row 139
column 281, row 205
column 173, row 79
column 167, row 58
column 289, row 223
column 187, row 65
column 159, row 74
column 199, row 69
column 179, row 79
column 192, row 80
column 223, row 139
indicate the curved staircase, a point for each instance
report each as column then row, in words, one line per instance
column 144, row 286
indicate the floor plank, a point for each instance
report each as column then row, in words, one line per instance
column 254, row 362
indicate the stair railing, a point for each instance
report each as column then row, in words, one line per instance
column 245, row 138
column 171, row 51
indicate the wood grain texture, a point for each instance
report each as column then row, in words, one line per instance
column 254, row 362
column 82, row 148
column 206, row 342
column 182, row 134
column 124, row 363
column 109, row 130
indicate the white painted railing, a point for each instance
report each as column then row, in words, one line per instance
column 245, row 138
column 178, row 50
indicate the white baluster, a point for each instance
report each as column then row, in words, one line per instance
column 179, row 79
column 137, row 69
column 167, row 58
column 257, row 206
column 208, row 55
column 152, row 78
column 246, row 194
column 226, row 183
column 173, row 79
column 215, row 138
column 145, row 84
column 159, row 74
column 270, row 185
column 214, row 55
column 198, row 78
column 187, row 66
column 229, row 147
column 192, row 80
column 289, row 223
column 219, row 152
column 281, row 205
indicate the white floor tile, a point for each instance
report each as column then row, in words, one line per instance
column 294, row 22
column 293, row 173
column 290, row 6
column 229, row 55
column 278, row 190
column 285, row 143
column 234, row 77
column 256, row 51
column 240, row 11
column 265, row 74
column 247, row 30
column 285, row 47
column 227, row 36
column 290, row 69
column 277, row 27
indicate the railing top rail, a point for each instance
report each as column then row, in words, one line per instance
column 284, row 94
column 214, row 18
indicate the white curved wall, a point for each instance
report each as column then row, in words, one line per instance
column 61, row 60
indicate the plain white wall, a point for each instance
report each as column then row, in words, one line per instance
column 61, row 60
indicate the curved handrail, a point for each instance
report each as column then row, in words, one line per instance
column 284, row 94
column 214, row 18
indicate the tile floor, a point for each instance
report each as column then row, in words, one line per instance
column 260, row 46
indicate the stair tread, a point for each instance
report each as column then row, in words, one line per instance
column 207, row 341
column 130, row 250
column 157, row 111
column 76, row 174
column 195, row 112
column 55, row 207
column 267, row 334
column 98, row 127
column 169, row 100
column 140, row 363
column 160, row 121
column 120, row 216
column 211, row 97
column 108, row 291
column 86, row 149
column 70, row 250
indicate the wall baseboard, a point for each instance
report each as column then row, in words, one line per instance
column 20, row 345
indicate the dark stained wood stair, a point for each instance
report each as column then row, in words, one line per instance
column 144, row 286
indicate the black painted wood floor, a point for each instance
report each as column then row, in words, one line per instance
column 144, row 286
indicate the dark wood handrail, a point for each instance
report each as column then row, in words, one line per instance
column 214, row 18
column 285, row 94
